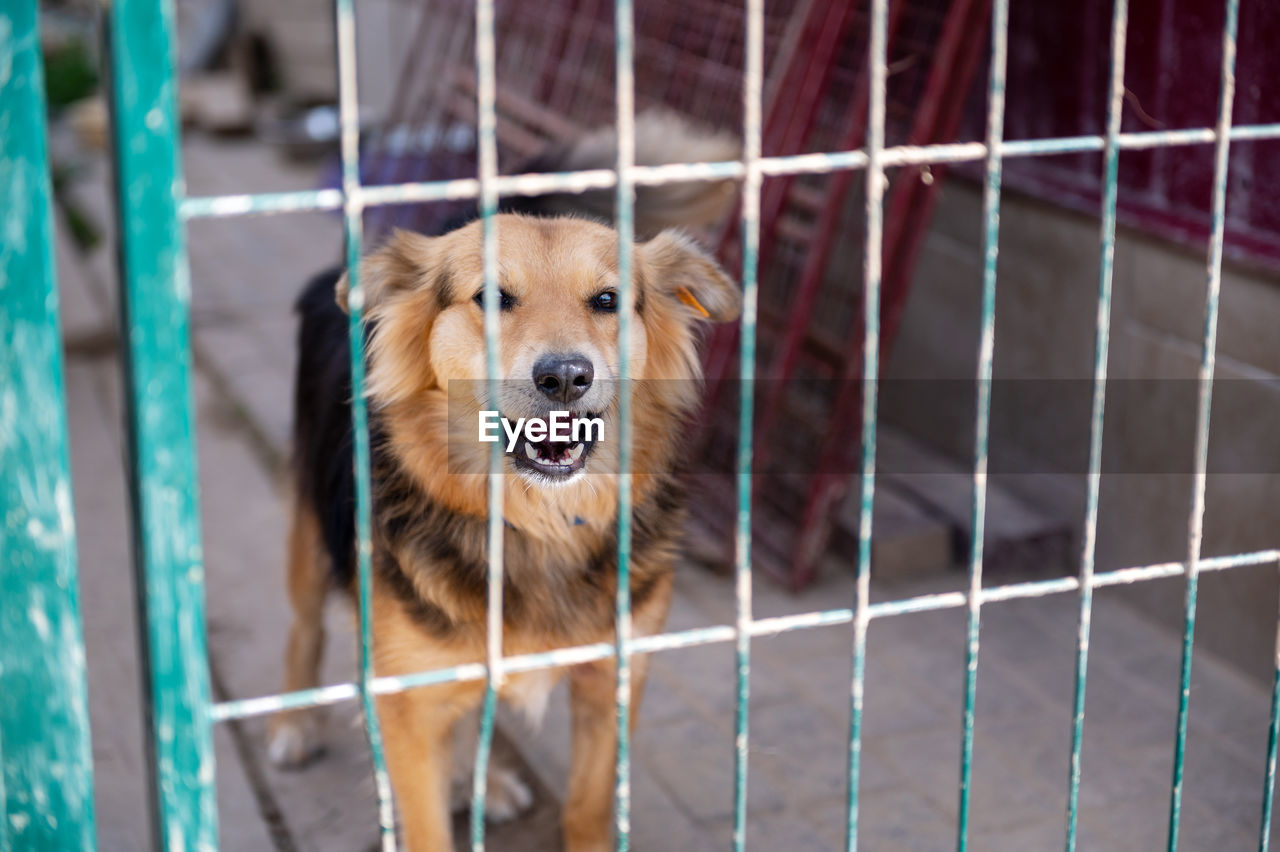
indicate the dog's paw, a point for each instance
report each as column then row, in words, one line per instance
column 505, row 798
column 293, row 740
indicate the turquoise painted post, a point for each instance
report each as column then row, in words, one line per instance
column 46, row 785
column 163, row 487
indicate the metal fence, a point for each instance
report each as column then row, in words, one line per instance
column 44, row 739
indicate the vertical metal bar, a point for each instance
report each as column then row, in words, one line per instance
column 46, row 779
column 1195, row 521
column 1102, row 335
column 873, row 258
column 752, row 108
column 486, row 90
column 986, row 351
column 624, row 59
column 163, row 486
column 353, row 212
column 1273, row 736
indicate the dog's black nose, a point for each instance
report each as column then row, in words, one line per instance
column 563, row 378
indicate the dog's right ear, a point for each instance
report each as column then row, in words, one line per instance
column 406, row 283
column 407, row 261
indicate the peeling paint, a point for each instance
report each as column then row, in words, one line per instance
column 155, row 298
column 1208, row 350
column 46, row 774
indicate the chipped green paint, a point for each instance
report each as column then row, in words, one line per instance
column 624, row 103
column 352, row 217
column 163, row 486
column 873, row 257
column 1102, row 337
column 1204, row 403
column 487, row 174
column 46, row 786
column 251, row 204
column 760, row 627
column 982, row 419
column 753, row 142
column 1273, row 739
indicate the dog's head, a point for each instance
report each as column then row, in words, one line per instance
column 558, row 339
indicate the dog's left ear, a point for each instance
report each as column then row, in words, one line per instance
column 676, row 268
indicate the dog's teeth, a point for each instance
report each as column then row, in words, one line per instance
column 530, row 452
column 576, row 452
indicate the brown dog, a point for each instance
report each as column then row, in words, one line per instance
column 558, row 351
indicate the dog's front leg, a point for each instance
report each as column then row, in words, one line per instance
column 588, row 807
column 417, row 729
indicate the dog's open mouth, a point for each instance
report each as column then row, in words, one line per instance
column 552, row 458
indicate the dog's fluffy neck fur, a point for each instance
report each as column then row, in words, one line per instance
column 431, row 536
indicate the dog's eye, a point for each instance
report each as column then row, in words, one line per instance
column 606, row 302
column 505, row 300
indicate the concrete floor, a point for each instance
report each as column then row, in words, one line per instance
column 245, row 273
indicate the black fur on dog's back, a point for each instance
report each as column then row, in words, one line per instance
column 322, row 447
